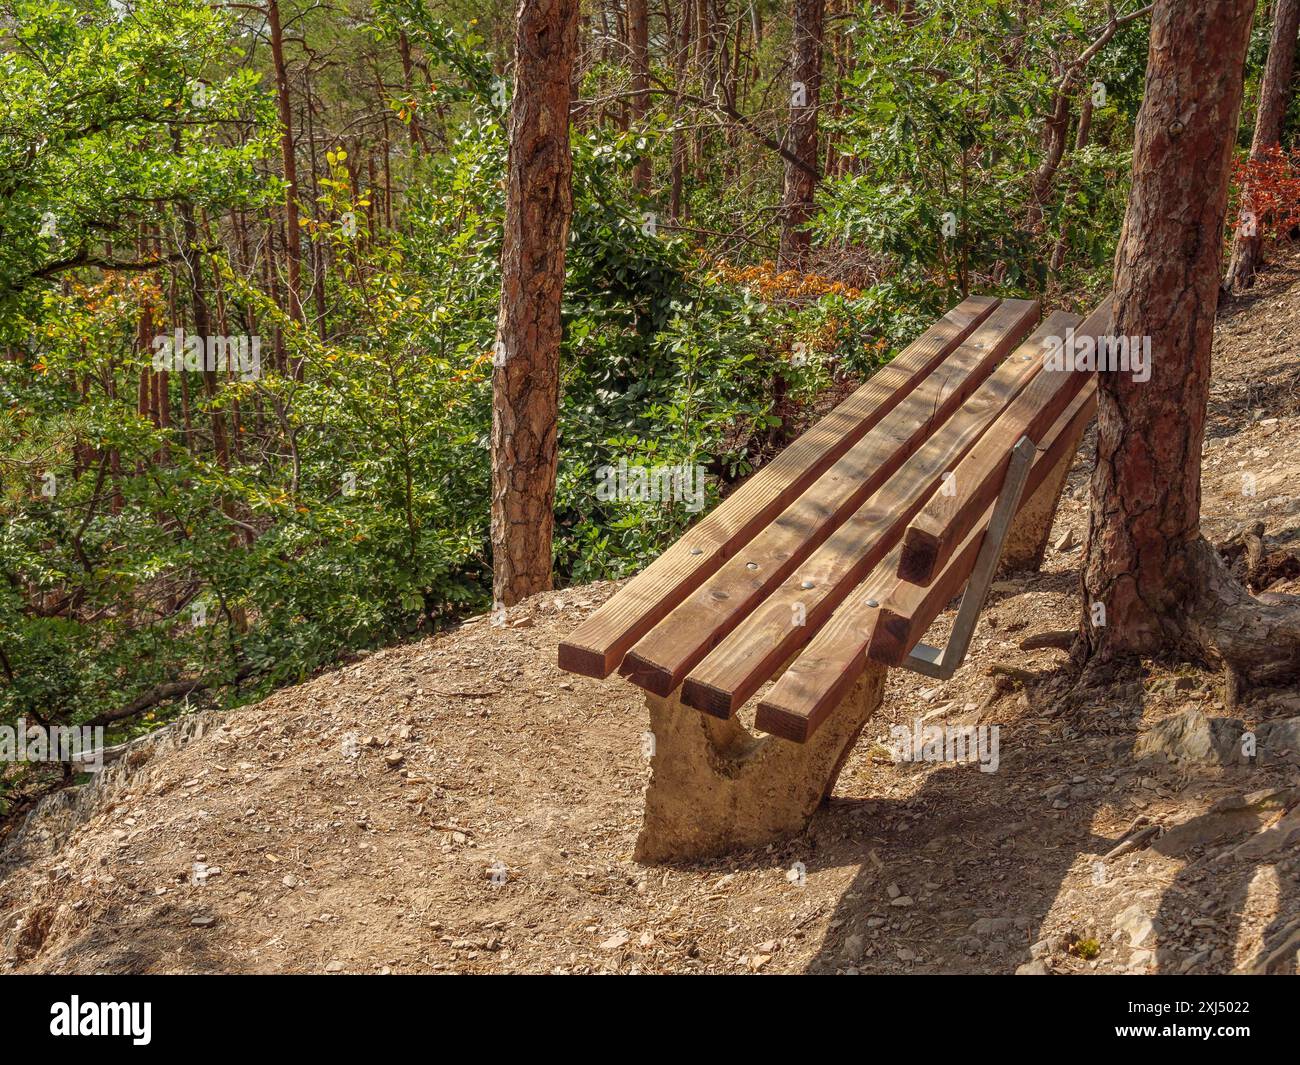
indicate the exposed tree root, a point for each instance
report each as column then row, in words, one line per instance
column 1257, row 638
column 1254, row 639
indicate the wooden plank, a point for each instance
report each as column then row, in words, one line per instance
column 756, row 649
column 661, row 659
column 947, row 519
column 597, row 646
column 816, row 681
column 909, row 609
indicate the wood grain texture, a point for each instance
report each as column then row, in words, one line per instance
column 598, row 645
column 948, row 517
column 788, row 618
column 810, row 689
column 660, row 660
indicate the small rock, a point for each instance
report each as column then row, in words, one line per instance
column 1137, row 924
column 991, row 926
column 618, row 939
column 205, row 920
column 1037, row 967
column 854, row 947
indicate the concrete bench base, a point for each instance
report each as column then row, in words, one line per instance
column 716, row 787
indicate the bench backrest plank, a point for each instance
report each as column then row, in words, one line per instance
column 783, row 622
column 816, row 681
column 902, row 617
column 946, row 520
column 660, row 660
column 597, row 647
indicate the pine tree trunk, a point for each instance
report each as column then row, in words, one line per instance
column 638, row 32
column 1274, row 95
column 292, row 231
column 525, row 378
column 1145, row 561
column 800, row 182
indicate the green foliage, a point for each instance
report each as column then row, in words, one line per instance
column 946, row 129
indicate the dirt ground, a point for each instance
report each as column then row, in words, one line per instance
column 460, row 805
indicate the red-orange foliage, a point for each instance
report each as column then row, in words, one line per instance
column 1267, row 191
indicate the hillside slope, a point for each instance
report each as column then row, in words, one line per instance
column 460, row 805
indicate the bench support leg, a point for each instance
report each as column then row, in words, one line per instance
column 1027, row 539
column 717, row 787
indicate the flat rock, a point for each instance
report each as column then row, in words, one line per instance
column 1273, row 839
column 1278, row 741
column 1191, row 736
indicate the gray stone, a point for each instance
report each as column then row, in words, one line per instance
column 1137, row 924
column 1271, row 840
column 991, row 926
column 1278, row 741
column 1190, row 736
column 1034, row 968
column 854, row 947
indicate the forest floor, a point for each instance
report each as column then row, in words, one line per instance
column 460, row 805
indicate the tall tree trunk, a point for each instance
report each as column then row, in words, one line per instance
column 1274, row 95
column 292, row 231
column 1080, row 142
column 1152, row 584
column 638, row 39
column 680, row 58
column 525, row 377
column 800, row 184
column 408, row 85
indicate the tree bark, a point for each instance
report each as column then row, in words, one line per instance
column 638, row 39
column 292, row 230
column 1274, row 94
column 800, row 182
column 525, row 378
column 1161, row 588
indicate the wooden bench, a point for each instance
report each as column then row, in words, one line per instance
column 828, row 566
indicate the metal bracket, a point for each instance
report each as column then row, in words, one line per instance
column 941, row 663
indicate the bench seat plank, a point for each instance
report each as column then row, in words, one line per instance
column 660, row 660
column 789, row 617
column 597, row 646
